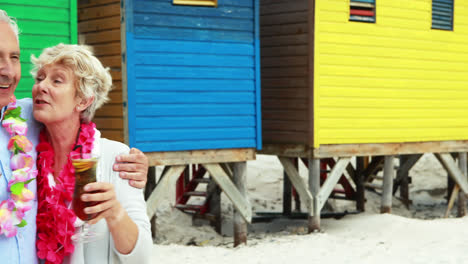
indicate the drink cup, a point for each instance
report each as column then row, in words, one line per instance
column 85, row 172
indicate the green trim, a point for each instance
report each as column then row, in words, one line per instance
column 73, row 22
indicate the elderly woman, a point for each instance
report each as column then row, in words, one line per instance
column 70, row 85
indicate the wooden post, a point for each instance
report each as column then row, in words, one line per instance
column 226, row 184
column 150, row 186
column 297, row 198
column 297, row 182
column 404, row 184
column 451, row 201
column 360, row 193
column 240, row 225
column 168, row 178
column 286, row 194
column 461, row 208
column 389, row 172
column 454, row 171
column 314, row 187
column 332, row 179
column 450, row 186
column 214, row 201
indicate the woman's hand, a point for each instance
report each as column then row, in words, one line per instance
column 107, row 206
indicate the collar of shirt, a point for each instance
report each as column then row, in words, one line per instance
column 1, row 114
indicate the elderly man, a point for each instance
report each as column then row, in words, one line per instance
column 17, row 243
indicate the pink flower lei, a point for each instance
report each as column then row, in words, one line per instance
column 13, row 210
column 55, row 221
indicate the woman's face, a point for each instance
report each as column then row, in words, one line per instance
column 54, row 95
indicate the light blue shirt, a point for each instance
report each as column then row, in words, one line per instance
column 20, row 249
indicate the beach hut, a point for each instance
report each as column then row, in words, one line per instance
column 42, row 24
column 187, row 86
column 343, row 79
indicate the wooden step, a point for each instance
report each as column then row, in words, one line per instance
column 189, row 207
column 373, row 185
column 195, row 193
column 202, row 180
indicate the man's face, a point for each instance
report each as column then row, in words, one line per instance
column 10, row 67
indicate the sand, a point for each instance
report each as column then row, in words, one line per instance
column 414, row 235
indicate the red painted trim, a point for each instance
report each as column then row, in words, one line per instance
column 359, row 12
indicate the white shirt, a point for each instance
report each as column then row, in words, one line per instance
column 103, row 250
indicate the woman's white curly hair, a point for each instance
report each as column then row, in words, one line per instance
column 92, row 79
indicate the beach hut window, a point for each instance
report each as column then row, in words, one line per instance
column 196, row 2
column 362, row 10
column 442, row 14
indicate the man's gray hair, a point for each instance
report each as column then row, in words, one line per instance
column 9, row 20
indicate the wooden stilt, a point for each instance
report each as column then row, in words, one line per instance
column 240, row 225
column 286, row 195
column 327, row 187
column 374, row 166
column 453, row 195
column 297, row 182
column 314, row 187
column 450, row 187
column 297, row 198
column 402, row 178
column 454, row 171
column 360, row 193
column 389, row 172
column 240, row 202
column 404, row 185
column 150, row 186
column 167, row 180
column 214, row 200
column 461, row 208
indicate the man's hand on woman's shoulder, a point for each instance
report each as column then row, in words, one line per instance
column 134, row 167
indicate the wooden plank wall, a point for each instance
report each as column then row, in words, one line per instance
column 42, row 24
column 99, row 27
column 284, row 63
column 394, row 81
column 194, row 76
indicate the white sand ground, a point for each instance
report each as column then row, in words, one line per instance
column 414, row 235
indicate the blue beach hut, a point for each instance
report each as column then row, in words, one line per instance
column 191, row 93
column 191, row 74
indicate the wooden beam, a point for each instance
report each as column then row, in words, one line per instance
column 311, row 69
column 227, row 168
column 384, row 149
column 406, row 163
column 214, row 201
column 332, row 180
column 373, row 167
column 454, row 171
column 239, row 173
column 359, row 180
column 199, row 156
column 287, row 192
column 286, row 150
column 297, row 182
column 238, row 200
column 389, row 173
column 455, row 191
column 410, row 162
column 351, row 171
column 166, row 182
column 461, row 209
column 314, row 187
